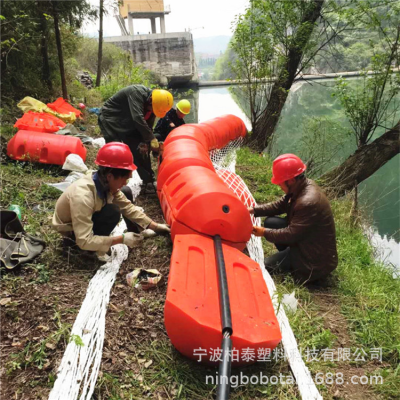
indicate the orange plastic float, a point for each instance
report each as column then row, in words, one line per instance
column 188, row 131
column 63, row 107
column 192, row 314
column 39, row 122
column 198, row 205
column 180, row 154
column 45, row 148
column 196, row 198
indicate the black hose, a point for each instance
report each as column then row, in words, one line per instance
column 223, row 287
column 224, row 372
column 224, row 385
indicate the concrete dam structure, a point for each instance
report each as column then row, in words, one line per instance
column 169, row 55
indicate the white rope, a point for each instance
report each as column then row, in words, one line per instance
column 79, row 367
column 225, row 168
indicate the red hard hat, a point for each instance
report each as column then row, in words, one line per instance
column 81, row 106
column 285, row 167
column 115, row 155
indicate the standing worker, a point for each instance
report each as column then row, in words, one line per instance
column 89, row 210
column 172, row 120
column 306, row 238
column 129, row 116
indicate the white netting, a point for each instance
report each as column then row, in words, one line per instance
column 224, row 161
column 79, row 367
column 226, row 157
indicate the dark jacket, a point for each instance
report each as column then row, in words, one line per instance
column 123, row 115
column 311, row 229
column 163, row 127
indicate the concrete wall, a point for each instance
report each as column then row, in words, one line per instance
column 169, row 55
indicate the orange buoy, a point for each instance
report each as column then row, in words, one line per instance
column 192, row 314
column 180, row 154
column 200, row 204
column 45, row 148
column 198, row 199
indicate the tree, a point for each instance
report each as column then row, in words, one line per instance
column 59, row 48
column 100, row 54
column 276, row 42
column 371, row 105
column 73, row 13
column 363, row 163
column 296, row 48
column 28, row 49
column 44, row 45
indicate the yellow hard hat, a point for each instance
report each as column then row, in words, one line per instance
column 183, row 106
column 162, row 102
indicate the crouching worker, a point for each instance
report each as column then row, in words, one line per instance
column 88, row 211
column 306, row 237
column 129, row 116
column 173, row 119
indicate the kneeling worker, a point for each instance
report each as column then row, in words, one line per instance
column 306, row 238
column 172, row 120
column 88, row 211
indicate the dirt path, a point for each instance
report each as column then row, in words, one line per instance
column 329, row 307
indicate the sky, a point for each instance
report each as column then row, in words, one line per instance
column 204, row 17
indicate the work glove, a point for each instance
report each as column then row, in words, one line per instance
column 148, row 233
column 132, row 239
column 162, row 228
column 154, row 144
column 258, row 231
column 102, row 256
column 143, row 149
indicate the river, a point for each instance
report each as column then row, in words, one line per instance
column 379, row 196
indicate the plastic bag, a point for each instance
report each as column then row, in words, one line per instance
column 72, row 177
column 100, row 142
column 73, row 162
column 290, row 301
column 30, row 104
column 144, row 279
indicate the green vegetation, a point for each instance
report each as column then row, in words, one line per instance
column 368, row 292
column 30, row 63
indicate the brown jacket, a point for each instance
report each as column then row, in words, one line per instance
column 311, row 229
column 76, row 206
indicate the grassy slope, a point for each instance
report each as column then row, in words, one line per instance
column 361, row 310
column 369, row 296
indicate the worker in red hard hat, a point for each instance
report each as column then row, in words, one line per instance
column 91, row 207
column 306, row 237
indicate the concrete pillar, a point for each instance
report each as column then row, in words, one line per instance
column 130, row 24
column 162, row 24
column 153, row 25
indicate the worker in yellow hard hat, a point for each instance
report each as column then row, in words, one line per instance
column 129, row 116
column 172, row 120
